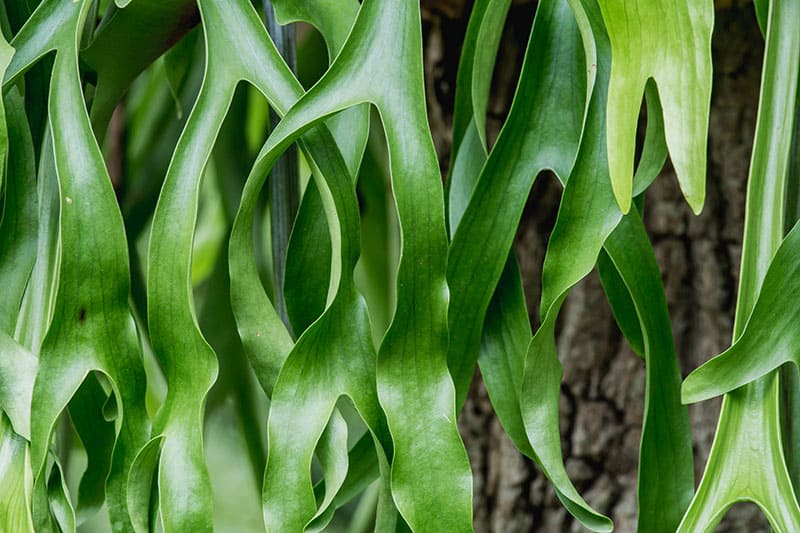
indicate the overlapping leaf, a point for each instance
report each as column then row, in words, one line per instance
column 309, row 255
column 542, row 134
column 507, row 333
column 538, row 112
column 170, row 254
column 92, row 328
column 587, row 217
column 416, row 340
column 747, row 459
column 68, row 287
column 666, row 473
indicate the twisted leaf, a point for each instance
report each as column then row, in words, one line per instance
column 416, row 340
column 308, row 262
column 747, row 461
column 506, row 178
column 92, row 328
column 666, row 473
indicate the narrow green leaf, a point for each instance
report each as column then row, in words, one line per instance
column 154, row 26
column 363, row 469
column 747, row 460
column 92, row 328
column 97, row 436
column 790, row 376
column 475, row 69
column 486, row 44
column 236, row 384
column 177, row 64
column 666, row 472
column 236, row 390
column 769, row 165
column 41, row 34
column 654, row 154
column 654, row 149
column 376, row 271
column 19, row 223
column 762, row 13
column 769, row 338
column 621, row 303
column 51, row 508
column 542, row 131
column 506, row 335
column 18, row 369
column 17, row 485
column 189, row 363
column 307, row 276
column 58, row 496
column 142, row 487
column 440, row 475
column 6, row 52
column 38, row 300
column 333, row 464
column 308, row 263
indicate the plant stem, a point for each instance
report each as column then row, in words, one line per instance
column 747, row 454
column 284, row 184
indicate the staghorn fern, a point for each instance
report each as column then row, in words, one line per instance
column 330, row 329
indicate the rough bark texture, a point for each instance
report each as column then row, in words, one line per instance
column 603, row 388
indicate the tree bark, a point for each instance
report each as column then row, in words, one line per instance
column 603, row 388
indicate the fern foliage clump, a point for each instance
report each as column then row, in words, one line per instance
column 238, row 293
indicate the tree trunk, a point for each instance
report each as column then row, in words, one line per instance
column 603, row 387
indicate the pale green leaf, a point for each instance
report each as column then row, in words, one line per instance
column 670, row 42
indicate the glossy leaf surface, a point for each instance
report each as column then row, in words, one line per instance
column 747, row 459
column 179, row 351
column 412, row 157
column 92, row 328
column 671, row 43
